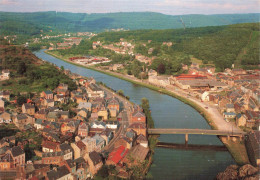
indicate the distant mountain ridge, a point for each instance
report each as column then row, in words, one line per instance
column 32, row 23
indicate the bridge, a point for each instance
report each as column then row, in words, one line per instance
column 186, row 132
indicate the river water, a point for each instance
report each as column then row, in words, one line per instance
column 167, row 112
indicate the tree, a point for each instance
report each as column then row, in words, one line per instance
column 21, row 69
column 21, row 100
column 161, row 68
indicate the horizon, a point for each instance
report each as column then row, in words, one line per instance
column 125, row 12
column 168, row 7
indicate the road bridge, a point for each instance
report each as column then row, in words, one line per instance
column 186, row 132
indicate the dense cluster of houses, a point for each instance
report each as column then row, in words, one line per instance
column 89, row 60
column 235, row 91
column 73, row 145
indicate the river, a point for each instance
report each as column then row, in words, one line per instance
column 167, row 112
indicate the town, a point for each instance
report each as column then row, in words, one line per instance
column 104, row 130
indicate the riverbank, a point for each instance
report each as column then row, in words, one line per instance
column 204, row 112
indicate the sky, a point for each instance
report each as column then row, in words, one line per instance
column 171, row 7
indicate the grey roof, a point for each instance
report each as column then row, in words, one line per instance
column 95, row 157
column 17, row 151
column 66, row 147
column 59, row 173
column 39, row 121
column 21, row 116
column 48, row 92
column 230, row 105
column 98, row 139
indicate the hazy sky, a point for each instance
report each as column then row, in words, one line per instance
column 174, row 7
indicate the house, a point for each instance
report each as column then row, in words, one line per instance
column 142, row 140
column 116, row 155
column 28, row 108
column 53, row 116
column 6, row 162
column 131, row 134
column 41, row 169
column 41, row 114
column 138, row 153
column 138, row 117
column 95, row 91
column 79, row 149
column 83, row 130
column 7, row 141
column 139, row 128
column 23, row 119
column 49, row 102
column 123, row 141
column 83, row 113
column 113, row 113
column 241, row 120
column 55, row 158
column 71, row 165
column 49, row 146
column 98, row 124
column 60, row 173
column 5, row 95
column 252, row 118
column 63, row 92
column 113, row 125
column 47, row 94
column 38, row 124
column 103, row 113
column 6, row 116
column 90, row 144
column 100, row 142
column 230, row 108
column 95, row 162
column 85, row 105
column 107, row 134
column 67, row 150
column 82, row 169
column 18, row 155
column 60, row 98
column 229, row 115
column 113, row 103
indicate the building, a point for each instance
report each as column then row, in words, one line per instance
column 95, row 162
column 67, row 150
column 138, row 117
column 95, row 91
column 28, row 108
column 83, row 130
column 116, row 155
column 60, row 173
column 139, row 128
column 47, row 94
column 49, row 146
column 18, row 155
column 6, row 162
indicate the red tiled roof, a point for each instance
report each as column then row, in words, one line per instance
column 117, row 154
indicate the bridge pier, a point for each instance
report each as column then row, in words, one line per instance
column 186, row 139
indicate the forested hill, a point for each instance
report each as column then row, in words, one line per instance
column 221, row 46
column 32, row 23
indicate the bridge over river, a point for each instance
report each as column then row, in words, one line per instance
column 186, row 132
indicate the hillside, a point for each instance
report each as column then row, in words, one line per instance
column 32, row 23
column 222, row 45
column 27, row 72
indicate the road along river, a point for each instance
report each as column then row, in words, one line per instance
column 167, row 112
